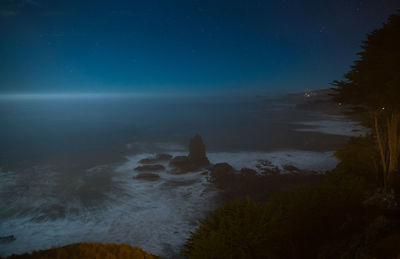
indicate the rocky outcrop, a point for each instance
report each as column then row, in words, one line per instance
column 290, row 168
column 259, row 186
column 182, row 163
column 157, row 159
column 7, row 239
column 197, row 152
column 147, row 177
column 247, row 172
column 150, row 168
column 222, row 169
column 267, row 168
column 221, row 174
column 196, row 159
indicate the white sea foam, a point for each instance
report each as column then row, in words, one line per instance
column 304, row 160
column 154, row 215
column 335, row 125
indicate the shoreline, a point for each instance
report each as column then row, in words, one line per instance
column 104, row 177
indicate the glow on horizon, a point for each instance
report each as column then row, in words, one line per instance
column 136, row 95
column 19, row 96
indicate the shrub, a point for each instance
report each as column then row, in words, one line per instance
column 293, row 224
column 88, row 251
column 359, row 157
column 235, row 230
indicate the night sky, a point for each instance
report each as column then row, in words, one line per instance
column 181, row 46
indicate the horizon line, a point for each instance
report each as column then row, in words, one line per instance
column 10, row 95
column 73, row 95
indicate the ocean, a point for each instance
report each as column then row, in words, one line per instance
column 67, row 162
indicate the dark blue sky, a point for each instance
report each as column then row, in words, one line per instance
column 172, row 46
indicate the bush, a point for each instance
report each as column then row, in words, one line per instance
column 235, row 230
column 305, row 219
column 88, row 251
column 293, row 224
column 379, row 239
column 359, row 157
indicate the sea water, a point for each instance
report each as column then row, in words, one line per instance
column 67, row 162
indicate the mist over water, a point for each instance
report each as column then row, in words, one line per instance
column 67, row 163
column 43, row 127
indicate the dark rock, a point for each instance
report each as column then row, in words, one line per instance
column 197, row 152
column 222, row 168
column 290, row 168
column 247, row 172
column 196, row 159
column 163, row 156
column 204, row 173
column 222, row 173
column 149, row 160
column 267, row 168
column 150, row 168
column 158, row 158
column 147, row 177
column 180, row 162
column 270, row 172
column 7, row 239
column 262, row 163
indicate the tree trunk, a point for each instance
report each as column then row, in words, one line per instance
column 381, row 148
column 389, row 146
column 393, row 145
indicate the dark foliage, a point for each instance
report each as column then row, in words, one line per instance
column 374, row 79
column 294, row 224
column 359, row 158
column 235, row 230
column 324, row 221
column 88, row 251
column 246, row 182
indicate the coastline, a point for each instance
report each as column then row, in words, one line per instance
column 103, row 203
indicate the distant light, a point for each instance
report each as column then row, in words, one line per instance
column 310, row 94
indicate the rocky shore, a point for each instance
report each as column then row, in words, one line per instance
column 259, row 183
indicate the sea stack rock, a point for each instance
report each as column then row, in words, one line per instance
column 196, row 159
column 197, row 152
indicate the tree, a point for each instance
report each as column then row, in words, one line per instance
column 373, row 85
column 359, row 157
column 295, row 223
